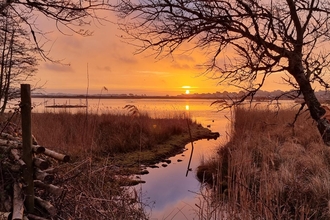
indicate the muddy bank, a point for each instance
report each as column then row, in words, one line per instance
column 131, row 162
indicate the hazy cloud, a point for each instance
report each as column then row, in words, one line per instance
column 126, row 59
column 180, row 66
column 185, row 57
column 159, row 73
column 71, row 42
column 58, row 67
column 104, row 68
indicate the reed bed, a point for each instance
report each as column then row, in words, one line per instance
column 270, row 169
column 106, row 134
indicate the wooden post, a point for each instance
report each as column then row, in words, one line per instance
column 27, row 146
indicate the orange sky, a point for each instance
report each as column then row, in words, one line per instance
column 112, row 64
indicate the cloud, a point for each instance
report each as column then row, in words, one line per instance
column 177, row 65
column 58, row 67
column 159, row 73
column 104, row 68
column 185, row 57
column 126, row 59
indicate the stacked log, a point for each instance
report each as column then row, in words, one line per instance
column 11, row 167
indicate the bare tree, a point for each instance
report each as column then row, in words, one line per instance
column 267, row 37
column 18, row 30
column 70, row 15
column 18, row 61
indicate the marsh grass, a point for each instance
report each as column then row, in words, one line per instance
column 101, row 146
column 269, row 169
column 81, row 134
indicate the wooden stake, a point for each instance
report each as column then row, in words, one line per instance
column 27, row 146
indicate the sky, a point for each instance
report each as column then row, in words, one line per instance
column 104, row 60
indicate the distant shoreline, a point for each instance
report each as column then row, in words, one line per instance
column 121, row 97
column 206, row 97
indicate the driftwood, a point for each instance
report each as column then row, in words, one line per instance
column 46, row 205
column 18, row 203
column 55, row 190
column 57, row 156
column 43, row 176
column 40, row 163
column 15, row 153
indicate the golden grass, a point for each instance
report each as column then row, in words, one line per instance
column 79, row 134
column 270, row 169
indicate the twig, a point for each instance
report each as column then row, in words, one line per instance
column 192, row 147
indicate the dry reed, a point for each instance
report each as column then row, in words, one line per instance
column 270, row 169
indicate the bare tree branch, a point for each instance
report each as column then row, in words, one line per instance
column 267, row 37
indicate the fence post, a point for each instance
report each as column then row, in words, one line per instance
column 27, row 146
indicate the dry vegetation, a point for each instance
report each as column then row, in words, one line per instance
column 269, row 169
column 101, row 146
column 99, row 135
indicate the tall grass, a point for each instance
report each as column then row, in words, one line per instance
column 269, row 169
column 78, row 134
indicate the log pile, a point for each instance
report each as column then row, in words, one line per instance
column 12, row 184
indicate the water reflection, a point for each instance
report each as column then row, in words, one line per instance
column 187, row 107
column 175, row 194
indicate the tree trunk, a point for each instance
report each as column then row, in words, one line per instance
column 314, row 106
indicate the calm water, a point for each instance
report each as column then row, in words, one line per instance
column 168, row 192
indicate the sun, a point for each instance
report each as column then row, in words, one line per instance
column 187, row 89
